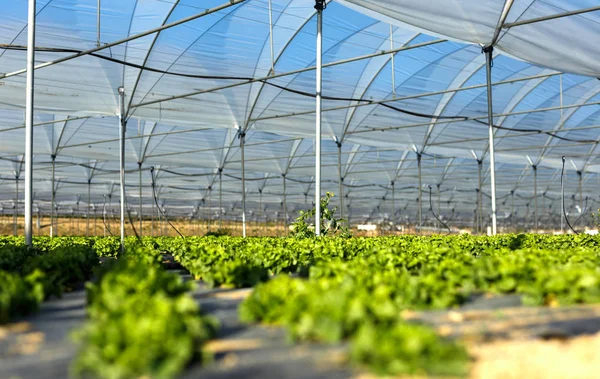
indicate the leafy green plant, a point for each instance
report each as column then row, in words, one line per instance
column 143, row 323
column 19, row 295
column 330, row 225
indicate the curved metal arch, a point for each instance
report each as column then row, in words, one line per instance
column 447, row 98
column 296, row 76
column 515, row 105
column 404, row 81
column 368, row 86
column 127, row 43
column 150, row 49
column 561, row 123
column 185, row 51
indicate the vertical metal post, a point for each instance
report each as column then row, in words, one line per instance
column 16, row 211
column 53, row 196
column 98, row 23
column 89, row 204
column 208, row 224
column 260, row 208
column 220, row 197
column 439, row 195
column 122, row 126
column 140, row 194
column 319, row 6
column 420, row 214
column 271, row 38
column 393, row 59
column 152, row 216
column 488, row 58
column 242, row 143
column 479, row 197
column 393, row 218
column 512, row 208
column 580, row 174
column 285, row 211
column 340, row 179
column 29, row 107
column 535, row 199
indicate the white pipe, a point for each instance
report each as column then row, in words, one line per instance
column 319, row 84
column 89, row 191
column 420, row 214
column 29, row 107
column 340, row 180
column 535, row 199
column 285, row 210
column 53, row 198
column 98, row 23
column 393, row 59
column 242, row 142
column 271, row 38
column 551, row 17
column 140, row 200
column 488, row 55
column 122, row 126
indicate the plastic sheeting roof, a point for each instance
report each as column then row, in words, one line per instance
column 430, row 98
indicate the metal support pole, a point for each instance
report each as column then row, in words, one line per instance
column 271, row 38
column 140, row 200
column 16, row 211
column 580, row 174
column 285, row 211
column 89, row 204
column 488, row 55
column 393, row 61
column 98, row 23
column 242, row 143
column 512, row 208
column 393, row 218
column 53, row 198
column 29, row 108
column 479, row 216
column 439, row 195
column 122, row 126
column 340, row 179
column 535, row 199
column 420, row 214
column 208, row 224
column 260, row 208
column 319, row 6
column 220, row 197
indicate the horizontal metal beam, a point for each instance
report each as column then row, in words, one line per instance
column 367, row 103
column 370, row 130
column 294, row 72
column 46, row 123
column 515, row 135
column 130, row 38
column 550, row 17
column 135, row 137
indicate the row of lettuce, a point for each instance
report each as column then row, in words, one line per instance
column 142, row 320
column 330, row 290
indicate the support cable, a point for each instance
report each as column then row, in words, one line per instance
column 307, row 94
column 106, row 227
column 158, row 206
column 433, row 213
column 562, row 188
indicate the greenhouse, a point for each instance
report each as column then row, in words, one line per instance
column 124, row 121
